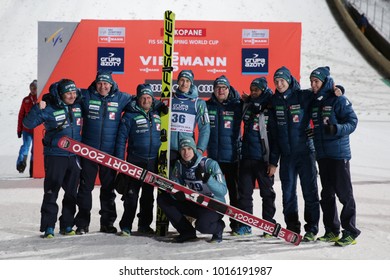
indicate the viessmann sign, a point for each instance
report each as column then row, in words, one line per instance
column 132, row 50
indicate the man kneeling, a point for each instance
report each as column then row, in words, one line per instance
column 204, row 176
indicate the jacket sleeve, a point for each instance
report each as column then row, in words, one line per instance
column 216, row 182
column 346, row 117
column 22, row 114
column 122, row 136
column 203, row 121
column 273, row 138
column 34, row 118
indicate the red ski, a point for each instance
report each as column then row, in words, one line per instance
column 169, row 186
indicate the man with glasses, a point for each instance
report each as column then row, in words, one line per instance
column 225, row 108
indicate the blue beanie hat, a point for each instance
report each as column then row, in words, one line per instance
column 144, row 89
column 104, row 76
column 186, row 74
column 260, row 83
column 283, row 73
column 321, row 73
column 187, row 142
column 222, row 80
column 66, row 85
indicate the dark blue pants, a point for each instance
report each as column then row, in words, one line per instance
column 336, row 180
column 107, row 194
column 59, row 172
column 130, row 200
column 303, row 165
column 230, row 170
column 251, row 171
column 207, row 221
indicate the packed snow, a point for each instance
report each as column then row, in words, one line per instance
column 323, row 43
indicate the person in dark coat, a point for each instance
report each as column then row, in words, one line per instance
column 140, row 131
column 288, row 123
column 225, row 113
column 103, row 104
column 334, row 120
column 254, row 163
column 60, row 112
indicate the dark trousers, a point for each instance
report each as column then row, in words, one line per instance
column 107, row 194
column 130, row 200
column 336, row 180
column 207, row 221
column 230, row 170
column 303, row 165
column 59, row 172
column 251, row 171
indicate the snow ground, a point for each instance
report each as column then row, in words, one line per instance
column 323, row 43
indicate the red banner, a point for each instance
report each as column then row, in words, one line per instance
column 132, row 50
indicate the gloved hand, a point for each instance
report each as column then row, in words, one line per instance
column 309, row 133
column 121, row 183
column 162, row 108
column 201, row 175
column 179, row 196
column 19, row 134
column 330, row 129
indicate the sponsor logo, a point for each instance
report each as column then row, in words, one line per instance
column 111, row 35
column 55, row 38
column 155, row 62
column 205, row 87
column 255, row 61
column 111, row 59
column 255, row 37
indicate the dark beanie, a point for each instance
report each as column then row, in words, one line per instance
column 222, row 80
column 186, row 74
column 144, row 89
column 104, row 76
column 260, row 83
column 321, row 73
column 187, row 142
column 66, row 86
column 283, row 73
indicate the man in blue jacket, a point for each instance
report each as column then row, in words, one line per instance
column 225, row 112
column 102, row 105
column 61, row 116
column 288, row 123
column 334, row 120
column 140, row 130
column 200, row 174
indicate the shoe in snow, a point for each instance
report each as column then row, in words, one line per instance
column 49, row 233
column 329, row 237
column 345, row 240
column 108, row 229
column 67, row 231
column 217, row 237
column 309, row 236
column 125, row 232
column 242, row 231
column 82, row 230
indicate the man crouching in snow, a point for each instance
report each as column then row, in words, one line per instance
column 200, row 174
